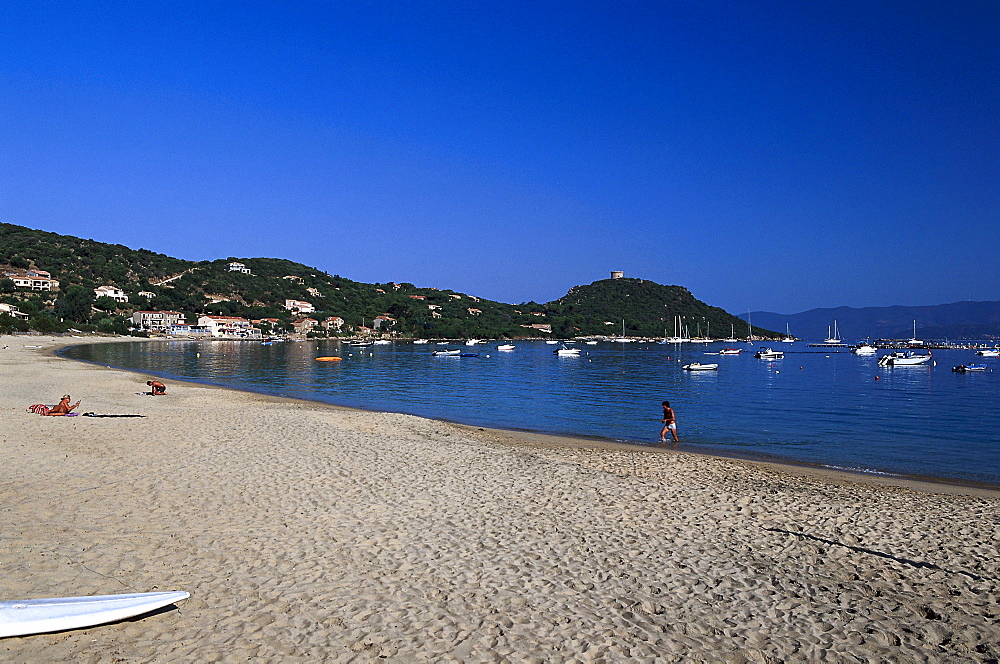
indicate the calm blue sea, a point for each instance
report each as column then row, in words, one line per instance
column 816, row 406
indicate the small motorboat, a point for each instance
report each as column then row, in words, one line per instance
column 962, row 368
column 730, row 351
column 420, row 341
column 446, row 351
column 506, row 347
column 567, row 352
column 864, row 349
column 905, row 358
column 988, row 352
column 473, row 342
column 383, row 342
column 768, row 354
column 698, row 366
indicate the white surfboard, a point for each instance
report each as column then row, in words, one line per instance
column 55, row 614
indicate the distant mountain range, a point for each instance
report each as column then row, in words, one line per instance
column 959, row 320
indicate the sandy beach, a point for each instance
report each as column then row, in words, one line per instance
column 306, row 532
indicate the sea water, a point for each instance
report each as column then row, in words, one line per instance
column 817, row 405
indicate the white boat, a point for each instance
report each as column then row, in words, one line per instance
column 590, row 343
column 506, row 347
column 913, row 341
column 698, row 366
column 963, row 368
column 446, row 351
column 903, row 359
column 551, row 342
column 833, row 338
column 472, row 342
column 730, row 351
column 788, row 338
column 567, row 352
column 768, row 354
column 864, row 349
column 383, row 342
column 56, row 614
column 420, row 341
column 988, row 352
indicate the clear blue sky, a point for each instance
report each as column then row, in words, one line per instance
column 766, row 155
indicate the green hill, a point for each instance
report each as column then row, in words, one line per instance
column 158, row 282
column 646, row 308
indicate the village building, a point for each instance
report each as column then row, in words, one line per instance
column 383, row 321
column 335, row 323
column 295, row 280
column 12, row 311
column 304, row 325
column 314, row 292
column 474, row 312
column 541, row 327
column 239, row 267
column 116, row 294
column 300, row 306
column 229, row 326
column 37, row 280
column 156, row 321
column 149, row 295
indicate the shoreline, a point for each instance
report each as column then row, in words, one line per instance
column 310, row 532
column 932, row 484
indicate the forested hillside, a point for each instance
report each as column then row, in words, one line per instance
column 157, row 282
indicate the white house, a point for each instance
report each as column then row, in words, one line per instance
column 159, row 321
column 116, row 294
column 229, row 326
column 383, row 321
column 300, row 306
column 13, row 311
column 30, row 279
column 239, row 267
column 334, row 322
column 303, row 325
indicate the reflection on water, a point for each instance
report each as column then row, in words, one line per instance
column 820, row 407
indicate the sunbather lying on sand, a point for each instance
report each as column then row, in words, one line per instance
column 61, row 408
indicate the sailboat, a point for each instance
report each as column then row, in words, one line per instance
column 788, row 338
column 914, row 341
column 676, row 339
column 623, row 339
column 732, row 334
column 832, row 338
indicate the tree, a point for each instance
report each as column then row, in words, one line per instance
column 75, row 304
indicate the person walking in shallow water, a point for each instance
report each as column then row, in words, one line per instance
column 669, row 423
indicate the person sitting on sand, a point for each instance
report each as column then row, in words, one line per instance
column 63, row 407
column 156, row 388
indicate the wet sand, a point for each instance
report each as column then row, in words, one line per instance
column 307, row 532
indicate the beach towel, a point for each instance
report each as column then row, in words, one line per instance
column 109, row 415
column 39, row 409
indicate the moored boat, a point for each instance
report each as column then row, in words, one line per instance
column 698, row 366
column 988, row 352
column 903, row 359
column 962, row 368
column 506, row 347
column 567, row 352
column 447, row 351
column 769, row 354
column 864, row 349
column 730, row 351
